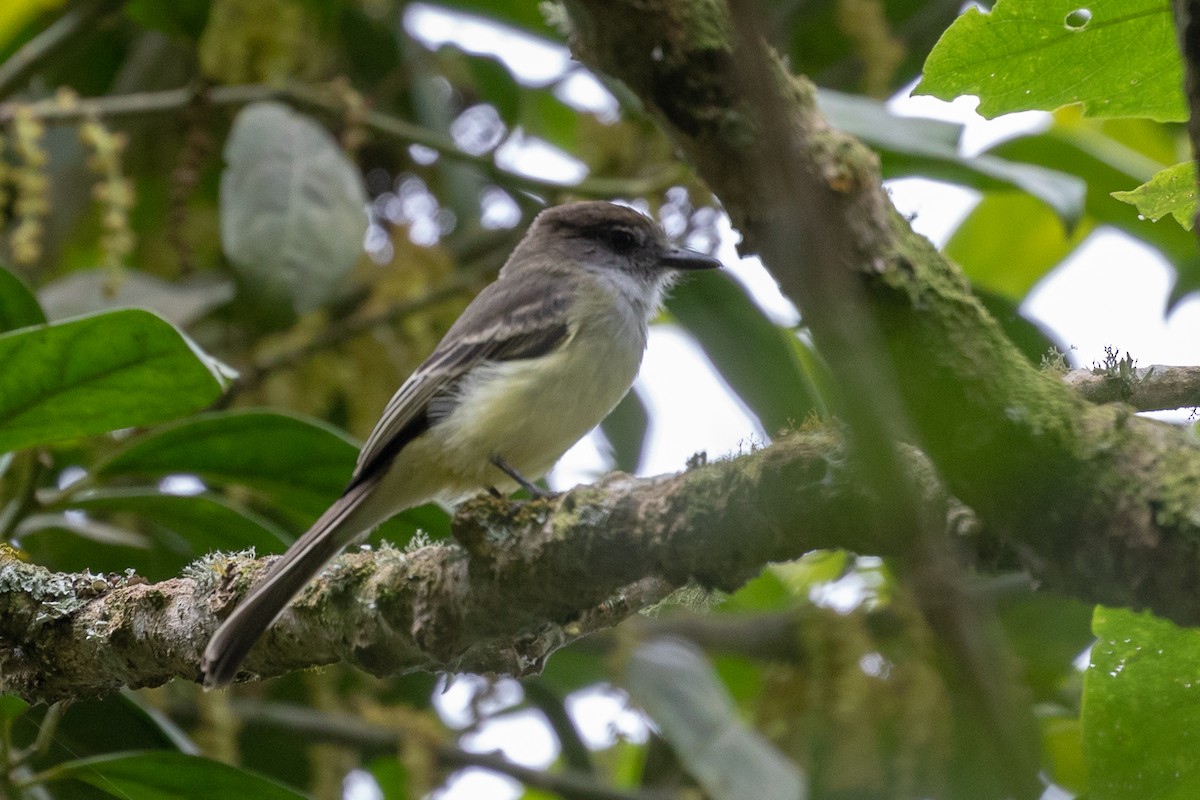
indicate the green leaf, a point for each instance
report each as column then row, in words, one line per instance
column 1139, row 708
column 1027, row 335
column 170, row 776
column 1062, row 747
column 300, row 463
column 1108, row 166
column 292, row 207
column 11, row 707
column 203, row 522
column 95, row 374
column 984, row 245
column 392, row 777
column 930, row 148
column 1116, row 57
column 757, row 357
column 549, row 118
column 1046, row 633
column 1171, row 191
column 495, row 85
column 180, row 18
column 681, row 692
column 18, row 307
column 179, row 302
column 625, row 429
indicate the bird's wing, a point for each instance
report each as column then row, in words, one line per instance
column 507, row 321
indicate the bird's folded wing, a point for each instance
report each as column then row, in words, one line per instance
column 513, row 323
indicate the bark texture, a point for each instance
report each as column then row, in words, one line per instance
column 1095, row 501
column 523, row 580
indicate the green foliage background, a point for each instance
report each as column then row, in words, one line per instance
column 258, row 378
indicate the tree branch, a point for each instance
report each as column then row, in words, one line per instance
column 1154, row 388
column 322, row 99
column 1187, row 31
column 1089, row 496
column 524, row 580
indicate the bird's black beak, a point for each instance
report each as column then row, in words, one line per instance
column 682, row 258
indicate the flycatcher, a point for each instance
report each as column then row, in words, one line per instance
column 536, row 361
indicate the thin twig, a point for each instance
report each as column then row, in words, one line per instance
column 1154, row 388
column 350, row 730
column 147, row 103
column 61, row 32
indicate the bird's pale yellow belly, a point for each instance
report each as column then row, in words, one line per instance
column 529, row 412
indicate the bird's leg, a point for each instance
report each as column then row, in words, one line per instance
column 536, row 492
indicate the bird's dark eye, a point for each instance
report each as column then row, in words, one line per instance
column 619, row 239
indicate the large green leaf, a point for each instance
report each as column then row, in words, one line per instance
column 1109, row 166
column 681, row 692
column 757, row 357
column 118, row 369
column 202, row 522
column 930, row 148
column 293, row 207
column 18, row 307
column 984, row 245
column 156, row 534
column 1140, row 714
column 1171, row 191
column 299, row 463
column 1116, row 57
column 164, row 775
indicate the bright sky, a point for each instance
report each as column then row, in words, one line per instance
column 1112, row 292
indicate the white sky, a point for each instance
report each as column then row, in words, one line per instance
column 1112, row 292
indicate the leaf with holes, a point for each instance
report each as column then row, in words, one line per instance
column 1043, row 54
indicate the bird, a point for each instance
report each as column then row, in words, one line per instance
column 534, row 362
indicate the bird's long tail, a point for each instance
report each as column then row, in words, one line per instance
column 336, row 528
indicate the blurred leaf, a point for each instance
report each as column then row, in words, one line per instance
column 496, row 86
column 525, row 17
column 681, row 692
column 178, row 18
column 18, row 307
column 16, row 14
column 89, row 725
column 11, row 707
column 984, row 245
column 546, row 116
column 574, row 667
column 203, row 522
column 754, row 355
column 170, row 776
column 1027, row 335
column 869, row 48
column 1046, row 633
column 1062, row 746
column 180, row 303
column 302, row 464
column 625, row 429
column 1042, row 54
column 1171, row 191
column 1139, row 708
column 292, row 207
column 930, row 148
column 95, row 374
column 392, row 778
column 1108, row 166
